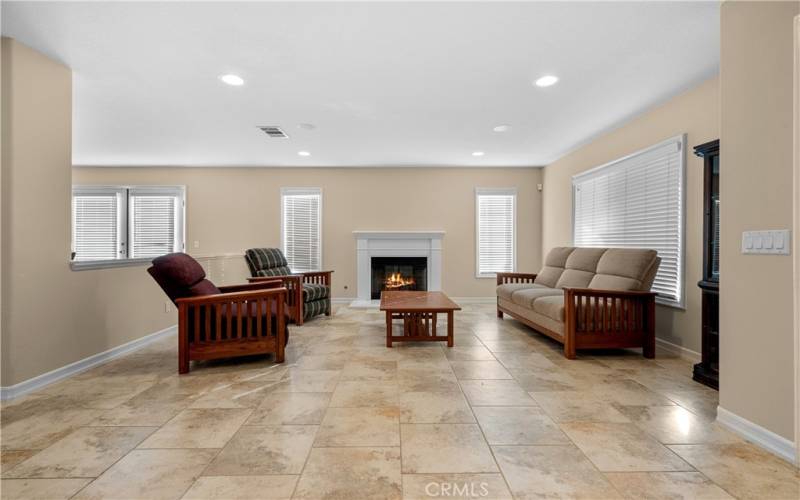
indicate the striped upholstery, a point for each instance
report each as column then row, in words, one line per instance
column 313, row 291
column 267, row 262
column 316, row 307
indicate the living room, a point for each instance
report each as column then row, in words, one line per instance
column 466, row 239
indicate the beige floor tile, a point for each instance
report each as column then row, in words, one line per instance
column 309, row 381
column 359, row 427
column 40, row 489
column 287, row 408
column 743, row 470
column 145, row 413
column 666, row 486
column 321, row 362
column 629, row 393
column 205, row 428
column 441, row 448
column 87, row 452
column 480, row 370
column 257, row 450
column 545, row 379
column 371, row 473
column 622, row 448
column 427, row 486
column 150, row 474
column 10, row 458
column 277, row 487
column 552, row 472
column 578, row 406
column 36, row 422
column 427, row 380
column 676, row 425
column 239, row 395
column 362, row 394
column 103, row 392
column 524, row 360
column 495, row 393
column 434, row 408
column 472, row 352
column 369, row 370
column 518, row 425
column 509, row 345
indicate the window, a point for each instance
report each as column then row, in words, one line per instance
column 495, row 216
column 115, row 225
column 637, row 202
column 301, row 228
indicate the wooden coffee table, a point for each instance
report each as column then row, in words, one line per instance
column 418, row 310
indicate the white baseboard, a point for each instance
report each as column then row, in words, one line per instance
column 71, row 369
column 756, row 434
column 680, row 351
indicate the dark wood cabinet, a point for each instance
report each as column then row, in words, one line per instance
column 707, row 370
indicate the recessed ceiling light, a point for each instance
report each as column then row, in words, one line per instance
column 234, row 80
column 304, row 153
column 546, row 81
column 502, row 128
column 306, row 126
column 477, row 153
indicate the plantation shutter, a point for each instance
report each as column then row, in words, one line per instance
column 97, row 228
column 153, row 222
column 301, row 234
column 496, row 213
column 637, row 202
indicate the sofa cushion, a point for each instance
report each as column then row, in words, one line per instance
column 526, row 297
column 553, row 266
column 507, row 289
column 203, row 287
column 580, row 268
column 625, row 269
column 315, row 291
column 259, row 259
column 273, row 271
column 552, row 307
column 177, row 273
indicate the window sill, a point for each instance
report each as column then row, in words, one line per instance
column 680, row 306
column 87, row 265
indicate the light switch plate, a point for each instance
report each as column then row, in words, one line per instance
column 767, row 242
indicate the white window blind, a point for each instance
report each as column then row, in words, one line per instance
column 301, row 228
column 119, row 223
column 97, row 225
column 154, row 223
column 495, row 214
column 637, row 202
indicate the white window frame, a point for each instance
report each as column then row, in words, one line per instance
column 680, row 140
column 289, row 191
column 481, row 191
column 123, row 222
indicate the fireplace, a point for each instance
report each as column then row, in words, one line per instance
column 398, row 273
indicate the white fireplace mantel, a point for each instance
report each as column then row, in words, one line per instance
column 395, row 244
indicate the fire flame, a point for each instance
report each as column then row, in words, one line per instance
column 396, row 280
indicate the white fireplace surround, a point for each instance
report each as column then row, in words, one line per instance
column 395, row 244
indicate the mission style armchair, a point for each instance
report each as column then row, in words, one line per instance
column 309, row 293
column 587, row 298
column 221, row 322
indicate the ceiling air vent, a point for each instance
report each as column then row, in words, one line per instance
column 274, row 132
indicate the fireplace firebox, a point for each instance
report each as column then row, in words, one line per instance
column 398, row 273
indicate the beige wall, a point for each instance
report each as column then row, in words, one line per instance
column 232, row 209
column 696, row 113
column 756, row 355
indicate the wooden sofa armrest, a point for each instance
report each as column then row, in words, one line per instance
column 319, row 277
column 226, row 298
column 515, row 278
column 255, row 285
column 294, row 297
column 608, row 318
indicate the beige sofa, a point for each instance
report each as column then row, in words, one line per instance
column 587, row 298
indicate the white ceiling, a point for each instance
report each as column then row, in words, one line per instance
column 384, row 83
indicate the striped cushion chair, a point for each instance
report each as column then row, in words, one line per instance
column 309, row 293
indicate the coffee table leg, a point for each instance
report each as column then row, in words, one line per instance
column 388, row 329
column 450, row 329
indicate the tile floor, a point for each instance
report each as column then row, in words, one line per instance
column 501, row 415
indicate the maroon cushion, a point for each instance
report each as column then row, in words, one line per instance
column 204, row 287
column 177, row 273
